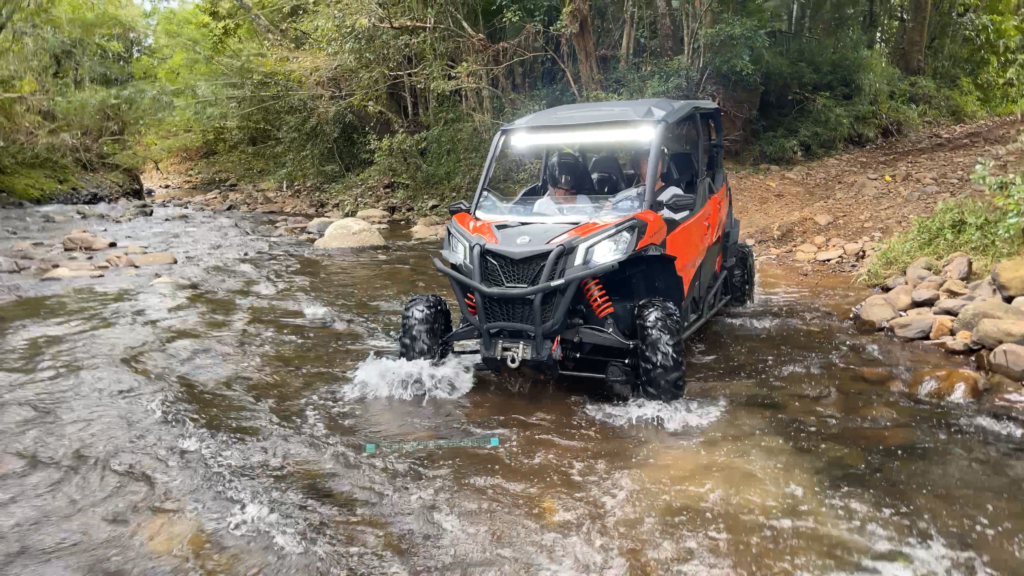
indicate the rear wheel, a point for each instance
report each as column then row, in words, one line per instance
column 741, row 277
column 426, row 321
column 662, row 366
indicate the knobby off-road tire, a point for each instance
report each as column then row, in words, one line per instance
column 425, row 323
column 662, row 366
column 741, row 277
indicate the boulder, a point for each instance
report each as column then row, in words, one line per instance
column 876, row 311
column 155, row 259
column 912, row 327
column 828, row 255
column 9, row 266
column 900, row 298
column 62, row 273
column 919, row 312
column 990, row 333
column 920, row 269
column 86, row 241
column 373, row 216
column 979, row 310
column 1009, row 278
column 949, row 306
column 853, row 248
column 941, row 327
column 420, row 232
column 350, row 233
column 957, row 266
column 947, row 384
column 984, row 288
column 954, row 287
column 319, row 225
column 924, row 296
column 1008, row 360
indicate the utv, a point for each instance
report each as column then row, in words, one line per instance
column 600, row 237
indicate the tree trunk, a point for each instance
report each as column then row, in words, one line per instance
column 666, row 31
column 578, row 17
column 872, row 29
column 628, row 33
column 914, row 39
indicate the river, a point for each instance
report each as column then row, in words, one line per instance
column 217, row 428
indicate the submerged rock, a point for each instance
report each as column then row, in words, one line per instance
column 62, row 273
column 86, row 241
column 420, row 232
column 947, row 384
column 350, row 233
column 155, row 259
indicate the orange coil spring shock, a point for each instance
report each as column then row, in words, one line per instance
column 599, row 300
column 471, row 303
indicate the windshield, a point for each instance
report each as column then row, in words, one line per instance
column 567, row 177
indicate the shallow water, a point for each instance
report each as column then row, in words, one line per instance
column 218, row 430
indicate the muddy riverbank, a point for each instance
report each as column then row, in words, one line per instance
column 214, row 426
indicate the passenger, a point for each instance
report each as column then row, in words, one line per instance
column 563, row 176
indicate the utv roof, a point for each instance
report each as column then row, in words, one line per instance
column 652, row 109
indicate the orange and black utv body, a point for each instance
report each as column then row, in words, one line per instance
column 604, row 293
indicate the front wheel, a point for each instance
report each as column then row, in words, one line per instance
column 741, row 277
column 662, row 366
column 426, row 322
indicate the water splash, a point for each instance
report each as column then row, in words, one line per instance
column 672, row 416
column 405, row 379
column 998, row 426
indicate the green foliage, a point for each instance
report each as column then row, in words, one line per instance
column 989, row 230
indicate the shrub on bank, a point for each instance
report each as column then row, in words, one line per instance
column 989, row 229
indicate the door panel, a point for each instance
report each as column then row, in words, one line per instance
column 689, row 242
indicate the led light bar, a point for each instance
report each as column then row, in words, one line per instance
column 634, row 134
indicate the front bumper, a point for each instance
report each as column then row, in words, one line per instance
column 550, row 299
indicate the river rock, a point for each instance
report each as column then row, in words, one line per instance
column 990, row 333
column 828, row 255
column 62, row 273
column 979, row 310
column 819, row 241
column 119, row 260
column 900, row 298
column 957, row 266
column 373, row 216
column 835, row 242
column 954, row 287
column 941, row 327
column 920, row 269
column 1008, row 360
column 824, row 219
column 894, row 282
column 853, row 248
column 985, row 288
column 297, row 221
column 430, row 221
column 319, row 225
column 9, row 266
column 155, row 259
column 428, row 232
column 876, row 311
column 912, row 327
column 924, row 296
column 168, row 281
column 919, row 312
column 135, row 250
column 804, row 256
column 947, row 384
column 350, row 233
column 1009, row 278
column 949, row 306
column 86, row 241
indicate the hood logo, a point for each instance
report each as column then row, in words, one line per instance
column 522, row 240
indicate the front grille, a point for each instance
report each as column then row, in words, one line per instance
column 504, row 272
column 517, row 310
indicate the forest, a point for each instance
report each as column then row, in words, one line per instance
column 405, row 94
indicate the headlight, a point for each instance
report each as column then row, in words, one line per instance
column 610, row 248
column 460, row 249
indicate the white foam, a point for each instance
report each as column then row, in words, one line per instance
column 405, row 379
column 671, row 416
column 998, row 426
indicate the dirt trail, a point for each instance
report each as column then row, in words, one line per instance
column 868, row 193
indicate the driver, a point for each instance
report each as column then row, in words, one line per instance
column 633, row 198
column 563, row 176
